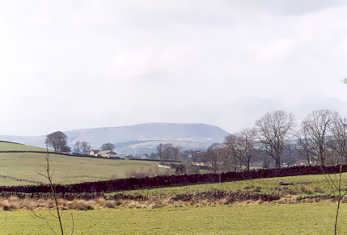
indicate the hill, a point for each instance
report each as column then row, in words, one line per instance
column 27, row 168
column 141, row 138
column 13, row 146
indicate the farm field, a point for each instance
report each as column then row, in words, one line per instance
column 310, row 185
column 27, row 167
column 268, row 218
column 9, row 146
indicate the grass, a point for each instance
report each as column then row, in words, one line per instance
column 7, row 146
column 25, row 168
column 65, row 169
column 315, row 218
column 298, row 185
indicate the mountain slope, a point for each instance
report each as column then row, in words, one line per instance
column 141, row 138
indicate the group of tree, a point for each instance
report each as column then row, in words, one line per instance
column 277, row 139
column 82, row 147
column 108, row 146
column 168, row 152
column 58, row 142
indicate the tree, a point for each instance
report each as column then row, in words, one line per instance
column 58, row 141
column 108, row 146
column 66, row 149
column 219, row 158
column 273, row 130
column 168, row 152
column 241, row 146
column 317, row 127
column 304, row 147
column 339, row 133
column 82, row 147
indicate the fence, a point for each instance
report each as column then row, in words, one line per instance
column 166, row 181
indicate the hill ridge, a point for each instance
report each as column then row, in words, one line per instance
column 139, row 138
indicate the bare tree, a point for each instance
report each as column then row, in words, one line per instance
column 316, row 127
column 303, row 146
column 168, row 152
column 339, row 134
column 241, row 146
column 82, row 147
column 219, row 158
column 58, row 214
column 58, row 141
column 273, row 130
column 54, row 195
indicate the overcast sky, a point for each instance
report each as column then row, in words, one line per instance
column 80, row 64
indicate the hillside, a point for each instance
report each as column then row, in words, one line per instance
column 25, row 168
column 12, row 146
column 142, row 138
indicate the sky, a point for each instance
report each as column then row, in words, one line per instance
column 83, row 64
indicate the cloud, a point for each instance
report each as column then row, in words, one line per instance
column 103, row 63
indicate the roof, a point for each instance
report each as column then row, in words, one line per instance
column 107, row 152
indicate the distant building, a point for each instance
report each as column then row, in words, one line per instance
column 107, row 154
column 94, row 152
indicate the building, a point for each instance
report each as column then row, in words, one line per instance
column 107, row 154
column 94, row 152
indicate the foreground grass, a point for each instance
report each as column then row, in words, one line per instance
column 314, row 218
column 28, row 167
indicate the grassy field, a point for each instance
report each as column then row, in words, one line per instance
column 316, row 218
column 6, row 146
column 25, row 168
column 65, row 169
column 298, row 185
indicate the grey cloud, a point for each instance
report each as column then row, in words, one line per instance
column 108, row 63
column 291, row 7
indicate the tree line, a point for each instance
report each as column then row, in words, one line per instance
column 58, row 142
column 319, row 139
column 275, row 140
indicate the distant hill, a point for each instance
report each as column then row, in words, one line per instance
column 139, row 139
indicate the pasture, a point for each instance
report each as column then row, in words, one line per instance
column 309, row 185
column 10, row 146
column 162, row 211
column 313, row 218
column 26, row 168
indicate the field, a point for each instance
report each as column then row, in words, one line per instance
column 160, row 213
column 298, row 204
column 65, row 169
column 316, row 218
column 9, row 146
column 27, row 167
column 294, row 185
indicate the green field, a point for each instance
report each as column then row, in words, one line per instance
column 316, row 218
column 27, row 168
column 65, row 169
column 309, row 185
column 7, row 146
column 278, row 217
